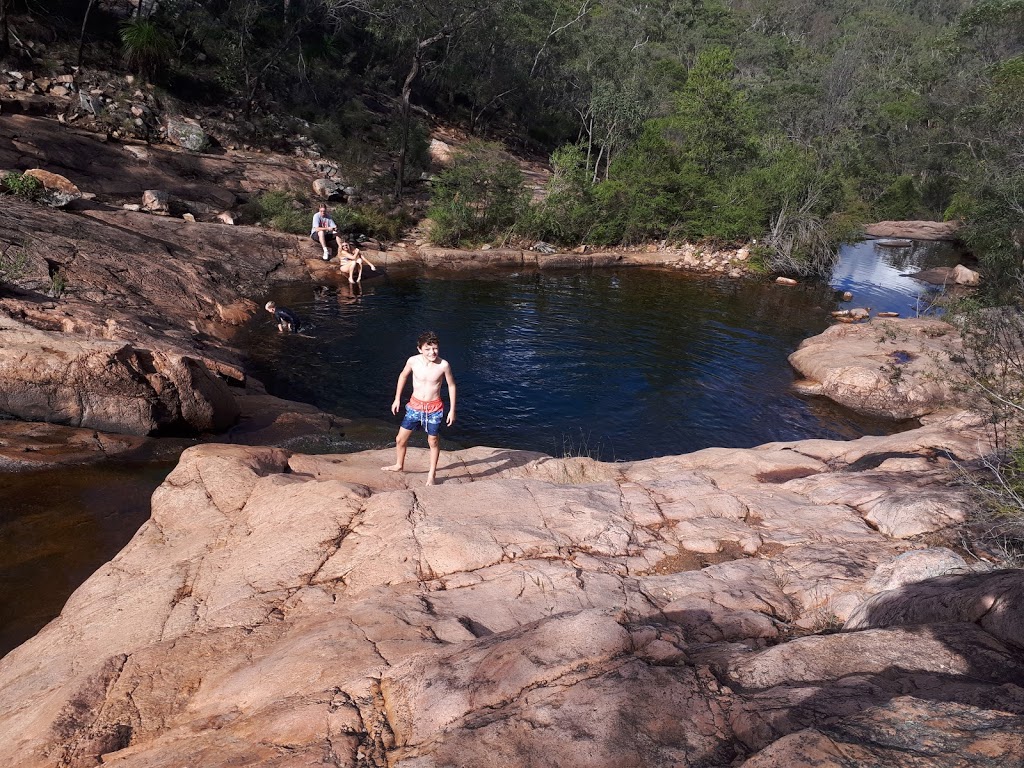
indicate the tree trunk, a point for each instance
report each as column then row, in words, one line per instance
column 417, row 59
column 81, row 37
column 5, row 35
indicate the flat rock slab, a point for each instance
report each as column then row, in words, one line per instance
column 914, row 230
column 887, row 368
column 279, row 608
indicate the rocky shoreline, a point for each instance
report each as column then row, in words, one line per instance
column 286, row 610
column 794, row 604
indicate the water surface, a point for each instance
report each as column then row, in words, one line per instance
column 618, row 364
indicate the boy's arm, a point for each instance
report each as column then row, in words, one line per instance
column 402, row 378
column 449, row 377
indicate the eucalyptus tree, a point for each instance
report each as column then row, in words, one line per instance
column 425, row 33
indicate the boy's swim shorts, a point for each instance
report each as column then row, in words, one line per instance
column 427, row 415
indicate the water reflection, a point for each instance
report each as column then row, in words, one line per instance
column 879, row 276
column 56, row 527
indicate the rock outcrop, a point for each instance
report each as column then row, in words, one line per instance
column 887, row 368
column 107, row 385
column 287, row 610
column 915, row 230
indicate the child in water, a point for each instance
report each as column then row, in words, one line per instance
column 286, row 319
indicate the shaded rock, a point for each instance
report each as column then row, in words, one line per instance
column 187, row 134
column 994, row 601
column 329, row 189
column 107, row 385
column 31, row 445
column 904, row 731
column 156, row 201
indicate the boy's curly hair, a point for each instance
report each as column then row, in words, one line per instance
column 427, row 337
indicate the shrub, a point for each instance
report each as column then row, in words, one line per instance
column 480, row 195
column 145, row 46
column 20, row 185
column 13, row 265
column 990, row 372
column 280, row 210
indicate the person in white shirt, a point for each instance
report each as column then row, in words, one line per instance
column 324, row 230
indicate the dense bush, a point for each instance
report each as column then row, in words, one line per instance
column 479, row 196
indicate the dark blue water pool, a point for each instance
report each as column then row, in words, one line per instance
column 618, row 364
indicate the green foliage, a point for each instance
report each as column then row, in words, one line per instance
column 478, row 197
column 58, row 283
column 990, row 373
column 568, row 211
column 20, row 185
column 146, row 47
column 901, row 200
column 372, row 220
column 13, row 265
column 280, row 210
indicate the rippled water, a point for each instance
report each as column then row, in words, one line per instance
column 619, row 364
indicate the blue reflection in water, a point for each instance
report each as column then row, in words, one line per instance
column 879, row 276
column 620, row 364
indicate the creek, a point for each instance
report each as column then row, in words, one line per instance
column 618, row 364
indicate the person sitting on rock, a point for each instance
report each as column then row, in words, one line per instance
column 352, row 261
column 286, row 319
column 324, row 230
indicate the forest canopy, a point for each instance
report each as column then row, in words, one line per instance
column 789, row 121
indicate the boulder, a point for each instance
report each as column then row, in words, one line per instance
column 915, row 230
column 889, row 368
column 107, row 385
column 60, row 190
column 187, row 134
column 156, row 201
column 964, row 276
column 785, row 281
column 440, row 152
column 329, row 189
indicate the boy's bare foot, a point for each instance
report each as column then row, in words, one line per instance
column 392, row 468
column 430, row 480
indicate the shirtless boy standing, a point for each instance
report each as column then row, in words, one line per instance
column 425, row 408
